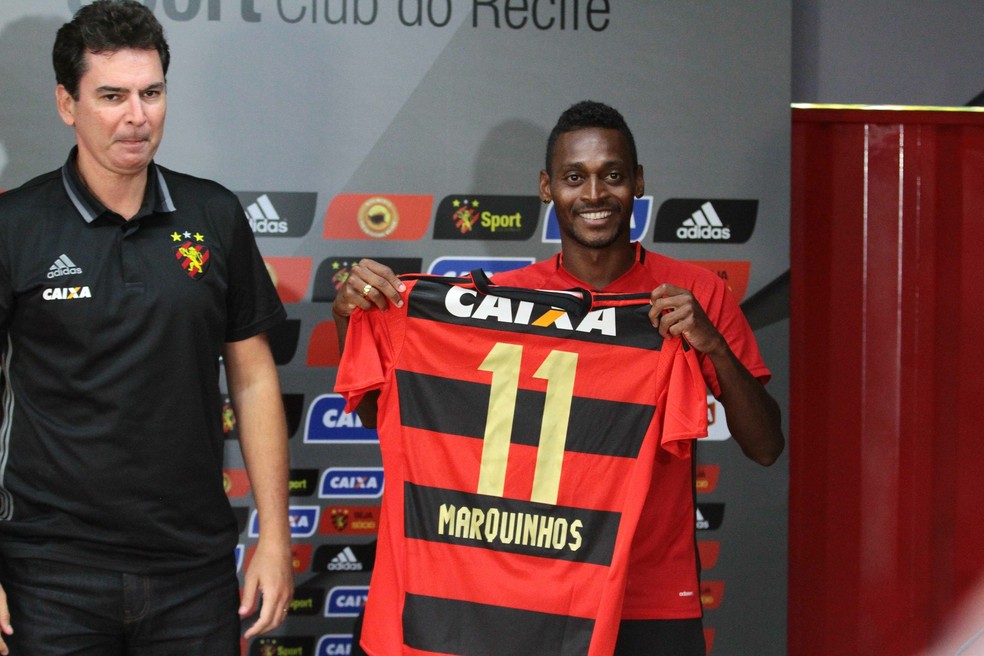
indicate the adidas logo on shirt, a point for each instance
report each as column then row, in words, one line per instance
column 63, row 266
column 345, row 561
column 263, row 216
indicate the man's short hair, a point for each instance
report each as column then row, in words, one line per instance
column 590, row 114
column 105, row 26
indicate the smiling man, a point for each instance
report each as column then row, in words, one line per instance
column 592, row 175
column 124, row 287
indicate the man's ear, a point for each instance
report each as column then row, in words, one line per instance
column 545, row 194
column 66, row 105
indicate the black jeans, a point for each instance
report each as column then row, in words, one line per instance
column 58, row 609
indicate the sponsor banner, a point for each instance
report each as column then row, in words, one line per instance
column 334, row 644
column 300, row 557
column 349, row 520
column 279, row 213
column 328, row 423
column 642, row 211
column 734, row 273
column 352, row 483
column 241, row 513
column 454, row 267
column 307, row 601
column 322, row 349
column 303, row 482
column 291, row 276
column 334, row 558
column 707, row 478
column 235, row 482
column 346, row 601
column 699, row 220
column 334, row 271
column 283, row 340
column 717, row 421
column 709, row 516
column 378, row 216
column 709, row 551
column 487, row 218
column 282, row 646
column 293, row 408
column 303, row 521
column 711, row 594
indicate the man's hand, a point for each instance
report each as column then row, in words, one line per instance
column 676, row 312
column 269, row 577
column 370, row 284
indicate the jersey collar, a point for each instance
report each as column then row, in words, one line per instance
column 157, row 196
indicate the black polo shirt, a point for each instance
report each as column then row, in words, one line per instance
column 111, row 446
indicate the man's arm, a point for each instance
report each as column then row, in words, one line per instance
column 753, row 415
column 254, row 388
column 369, row 285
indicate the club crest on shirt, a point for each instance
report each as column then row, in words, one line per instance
column 191, row 253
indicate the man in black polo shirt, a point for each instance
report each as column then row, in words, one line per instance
column 123, row 288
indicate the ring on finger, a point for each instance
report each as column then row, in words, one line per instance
column 366, row 290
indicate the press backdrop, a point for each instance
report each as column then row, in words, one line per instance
column 412, row 131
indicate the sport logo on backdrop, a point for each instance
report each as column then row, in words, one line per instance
column 696, row 220
column 462, row 266
column 642, row 210
column 487, row 217
column 279, row 213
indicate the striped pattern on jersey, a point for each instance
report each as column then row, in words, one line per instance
column 518, row 432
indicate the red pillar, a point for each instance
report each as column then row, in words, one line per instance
column 886, row 528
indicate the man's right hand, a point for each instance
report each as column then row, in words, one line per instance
column 370, row 284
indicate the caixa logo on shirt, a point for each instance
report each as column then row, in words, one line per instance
column 66, row 293
column 328, row 423
column 346, row 601
column 352, row 482
column 303, row 521
column 334, row 644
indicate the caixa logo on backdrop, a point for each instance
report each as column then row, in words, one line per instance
column 642, row 211
column 346, row 601
column 351, row 483
column 461, row 266
column 303, row 521
column 328, row 423
column 334, row 644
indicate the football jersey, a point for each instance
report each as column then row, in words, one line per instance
column 518, row 431
column 663, row 572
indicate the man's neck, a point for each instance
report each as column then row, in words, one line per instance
column 123, row 194
column 599, row 267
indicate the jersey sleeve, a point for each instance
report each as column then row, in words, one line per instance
column 685, row 403
column 365, row 360
column 724, row 312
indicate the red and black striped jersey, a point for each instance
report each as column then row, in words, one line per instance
column 518, row 431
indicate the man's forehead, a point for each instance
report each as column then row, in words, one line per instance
column 591, row 144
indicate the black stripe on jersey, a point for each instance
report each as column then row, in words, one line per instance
column 512, row 526
column 450, row 626
column 619, row 323
column 457, row 407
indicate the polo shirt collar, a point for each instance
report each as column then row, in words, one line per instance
column 157, row 196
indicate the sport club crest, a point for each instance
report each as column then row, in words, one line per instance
column 192, row 255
